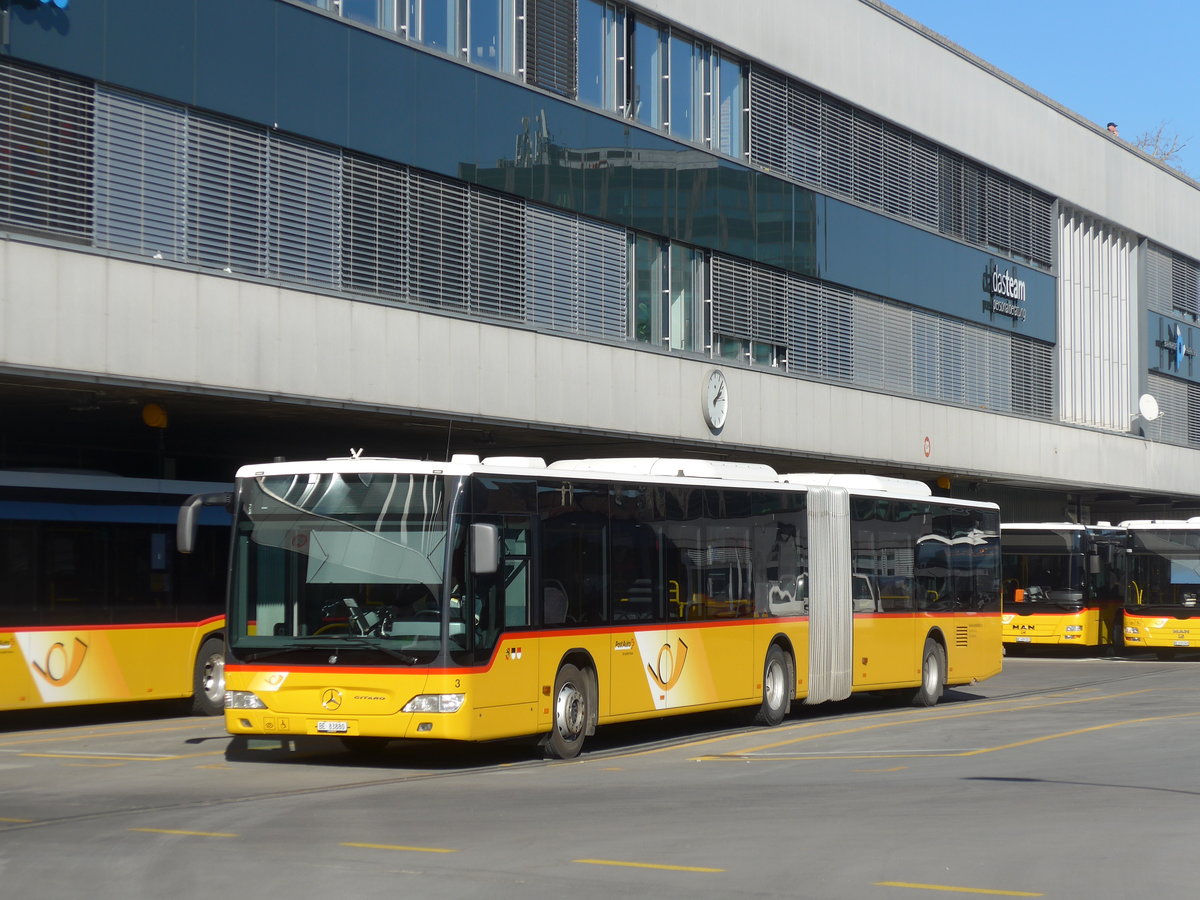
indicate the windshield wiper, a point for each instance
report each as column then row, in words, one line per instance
column 331, row 646
column 251, row 655
column 358, row 642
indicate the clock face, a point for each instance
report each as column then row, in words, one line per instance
column 716, row 400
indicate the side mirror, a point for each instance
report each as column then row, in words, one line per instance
column 485, row 548
column 189, row 513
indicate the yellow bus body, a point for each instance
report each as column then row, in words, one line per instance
column 1091, row 627
column 1158, row 632
column 62, row 666
column 640, row 673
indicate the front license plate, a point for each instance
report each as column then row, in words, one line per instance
column 1182, row 643
column 1024, row 640
column 329, row 727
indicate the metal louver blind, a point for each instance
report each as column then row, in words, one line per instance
column 1174, row 399
column 1032, row 377
column 575, row 274
column 550, row 42
column 769, row 130
column 141, row 175
column 1157, row 265
column 304, row 217
column 1184, row 273
column 46, row 145
column 732, row 285
column 227, row 195
column 438, row 242
column 868, row 159
column 375, row 203
column 497, row 256
column 603, row 282
column 550, row 269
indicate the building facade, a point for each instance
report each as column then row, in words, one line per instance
column 419, row 227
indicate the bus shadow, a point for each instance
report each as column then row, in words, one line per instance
column 609, row 740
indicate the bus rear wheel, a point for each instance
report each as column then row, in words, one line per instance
column 208, row 679
column 933, row 674
column 571, row 713
column 776, row 688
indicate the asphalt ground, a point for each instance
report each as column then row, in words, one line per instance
column 1062, row 777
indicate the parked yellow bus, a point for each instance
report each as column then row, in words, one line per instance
column 97, row 607
column 376, row 599
column 1063, row 584
column 1162, row 607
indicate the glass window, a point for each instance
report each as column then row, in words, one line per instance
column 646, row 289
column 686, row 301
column 376, row 13
column 602, row 55
column 435, row 24
column 726, row 130
column 648, row 73
column 681, row 85
column 491, row 25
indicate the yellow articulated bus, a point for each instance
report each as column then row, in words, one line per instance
column 377, row 599
column 97, row 607
column 1063, row 584
column 1162, row 606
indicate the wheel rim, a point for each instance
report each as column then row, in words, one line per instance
column 570, row 712
column 931, row 673
column 773, row 687
column 212, row 679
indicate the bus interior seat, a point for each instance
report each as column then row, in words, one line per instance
column 554, row 602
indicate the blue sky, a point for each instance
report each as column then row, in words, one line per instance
column 1109, row 62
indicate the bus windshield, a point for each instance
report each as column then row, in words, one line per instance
column 1047, row 566
column 1164, row 567
column 346, row 562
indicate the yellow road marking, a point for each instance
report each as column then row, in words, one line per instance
column 1065, row 734
column 637, row 865
column 399, row 847
column 960, row 890
column 186, row 833
column 747, row 755
column 86, row 756
column 19, row 821
column 47, row 737
column 917, row 718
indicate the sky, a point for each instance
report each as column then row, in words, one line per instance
column 1133, row 64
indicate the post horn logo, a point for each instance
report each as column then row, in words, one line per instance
column 59, row 668
column 331, row 699
column 669, row 669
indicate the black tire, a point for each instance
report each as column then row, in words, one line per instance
column 933, row 674
column 208, row 679
column 776, row 688
column 572, row 712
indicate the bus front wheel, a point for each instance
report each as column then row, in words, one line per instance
column 571, row 714
column 208, row 679
column 777, row 690
column 933, row 674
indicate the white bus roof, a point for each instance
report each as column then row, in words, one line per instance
column 610, row 467
column 1193, row 522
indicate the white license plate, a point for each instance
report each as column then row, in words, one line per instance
column 1182, row 643
column 1024, row 640
column 328, row 727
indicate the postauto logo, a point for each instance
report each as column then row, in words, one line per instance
column 61, row 4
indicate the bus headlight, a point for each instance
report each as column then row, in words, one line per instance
column 1073, row 628
column 435, row 703
column 243, row 700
